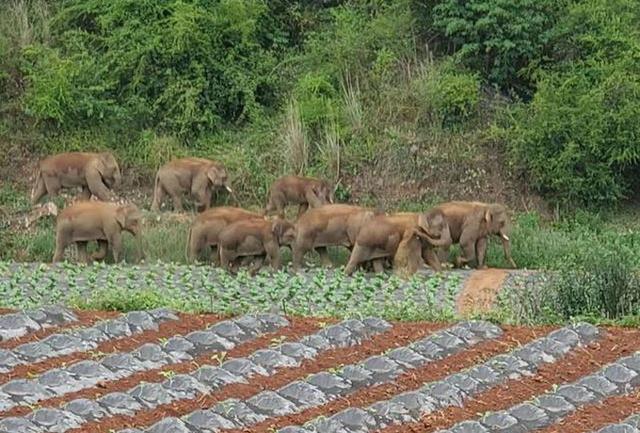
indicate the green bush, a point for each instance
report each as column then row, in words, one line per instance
column 500, row 38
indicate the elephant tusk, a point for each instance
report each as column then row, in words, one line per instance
column 505, row 237
column 228, row 188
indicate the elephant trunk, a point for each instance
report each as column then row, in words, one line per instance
column 506, row 246
column 443, row 241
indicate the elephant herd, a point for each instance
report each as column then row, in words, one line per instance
column 234, row 237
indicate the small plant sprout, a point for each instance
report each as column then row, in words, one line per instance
column 276, row 341
column 219, row 357
column 167, row 374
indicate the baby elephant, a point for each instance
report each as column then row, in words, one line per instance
column 96, row 221
column 196, row 176
column 96, row 173
column 304, row 191
column 255, row 238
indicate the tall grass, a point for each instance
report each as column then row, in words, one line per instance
column 294, row 138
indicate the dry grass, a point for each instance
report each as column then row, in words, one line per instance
column 294, row 138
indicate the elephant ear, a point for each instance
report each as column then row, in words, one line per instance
column 278, row 227
column 121, row 216
column 487, row 216
column 215, row 175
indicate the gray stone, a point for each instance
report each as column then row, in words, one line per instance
column 38, row 316
column 207, row 421
column 178, row 344
column 618, row 428
column 216, row 377
column 65, row 344
column 533, row 356
column 326, row 425
column 383, row 368
column 577, row 395
column 244, row 368
column 91, row 336
column 508, row 366
column 16, row 325
column 169, row 425
column 208, row 341
column 388, row 412
column 468, row 427
column 271, row 322
column 303, row 394
column 271, row 404
column 620, row 375
column 59, row 381
column 428, row 349
column 499, row 422
column 465, row 335
column 184, row 386
column 555, row 405
column 130, row 430
column 119, row 403
column 55, row 420
column 316, row 341
column 25, row 390
column 88, row 410
column 141, row 321
column 587, row 332
column 151, row 394
column 415, row 403
column 151, row 356
column 357, row 327
column 238, row 413
column 552, row 347
column 598, row 384
column 122, row 364
column 339, row 336
column 116, row 328
column 444, row 394
column 329, row 384
column 249, row 324
column 376, row 324
column 566, row 337
column 272, row 360
column 486, row 330
column 8, row 360
column 56, row 315
column 407, row 357
column 293, row 429
column 90, row 371
column 449, row 342
column 229, row 331
column 531, row 416
column 355, row 419
column 33, row 352
column 633, row 420
column 464, row 382
column 298, row 351
column 163, row 314
column 18, row 425
column 631, row 362
column 357, row 375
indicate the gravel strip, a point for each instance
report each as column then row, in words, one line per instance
column 454, row 389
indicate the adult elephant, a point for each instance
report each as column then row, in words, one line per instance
column 304, row 191
column 195, row 176
column 103, row 222
column 206, row 227
column 415, row 234
column 255, row 239
column 471, row 224
column 96, row 173
column 328, row 225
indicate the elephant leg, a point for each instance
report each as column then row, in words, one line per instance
column 302, row 208
column 430, row 256
column 481, row 248
column 215, row 254
column 506, row 246
column 158, row 196
column 103, row 248
column 378, row 266
column 272, row 250
column 324, row 256
column 358, row 255
column 96, row 185
column 255, row 264
column 52, row 185
column 226, row 257
column 39, row 191
column 443, row 254
column 177, row 202
column 85, row 194
column 115, row 243
column 82, row 251
column 61, row 245
column 300, row 248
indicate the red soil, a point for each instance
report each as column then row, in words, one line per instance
column 298, row 329
column 400, row 335
column 184, row 325
column 410, row 380
column 592, row 418
column 85, row 318
column 617, row 343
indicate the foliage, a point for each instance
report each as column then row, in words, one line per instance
column 503, row 39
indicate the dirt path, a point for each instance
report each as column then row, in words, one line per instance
column 480, row 291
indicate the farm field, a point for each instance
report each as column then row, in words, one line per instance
column 160, row 371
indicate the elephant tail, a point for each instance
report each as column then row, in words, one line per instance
column 187, row 248
column 157, row 193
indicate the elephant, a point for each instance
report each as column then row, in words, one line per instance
column 197, row 176
column 255, row 238
column 471, row 223
column 417, row 234
column 206, row 227
column 328, row 225
column 98, row 221
column 304, row 191
column 96, row 173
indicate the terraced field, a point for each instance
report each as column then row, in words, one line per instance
column 159, row 371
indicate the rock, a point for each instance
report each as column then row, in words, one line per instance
column 598, row 384
column 141, row 321
column 25, row 390
column 229, row 331
column 122, row 364
column 448, row 342
column 468, row 427
column 566, row 337
column 316, row 341
column 326, row 425
column 294, row 429
column 88, row 410
column 8, row 360
column 464, row 382
column 555, row 405
column 18, row 425
column 244, row 368
column 119, row 403
column 238, row 413
column 444, row 394
column 116, row 328
column 56, row 315
column 329, row 384
column 357, row 375
column 90, row 336
column 463, row 333
column 271, row 404
column 428, row 349
column 577, row 395
column 303, row 394
column 249, row 324
column 355, row 419
column 631, row 362
column 163, row 314
column 169, row 425
column 151, row 356
column 55, row 420
column 407, row 357
column 208, row 341
column 533, row 356
column 376, row 325
column 62, row 344
column 272, row 360
column 151, row 394
column 33, row 352
column 90, row 372
column 184, row 386
column 509, row 366
column 485, row 330
column 619, row 428
column 553, row 347
column 383, row 369
column 339, row 336
column 271, row 322
column 484, row 375
column 216, row 377
column 586, row 331
column 298, row 351
column 415, row 403
column 620, row 375
column 178, row 344
column 388, row 412
column 531, row 416
column 499, row 422
column 207, row 420
column 59, row 381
